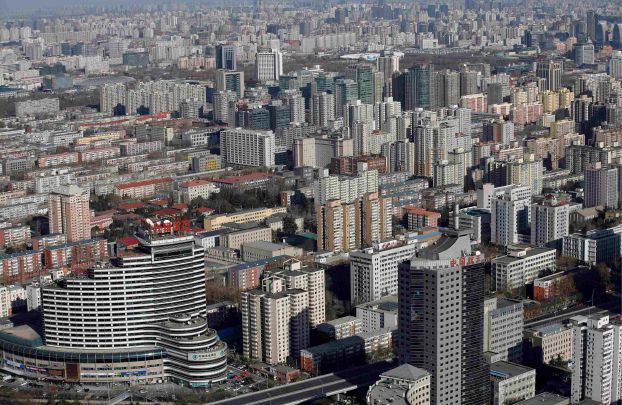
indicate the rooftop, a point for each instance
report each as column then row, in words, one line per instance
column 545, row 398
column 504, row 369
column 406, row 372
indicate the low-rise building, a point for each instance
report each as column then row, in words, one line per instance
column 253, row 251
column 549, row 342
column 340, row 328
column 405, row 384
column 521, row 266
column 511, row 382
column 378, row 314
column 343, row 353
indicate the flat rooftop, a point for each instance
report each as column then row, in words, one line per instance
column 505, row 369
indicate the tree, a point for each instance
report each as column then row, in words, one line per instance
column 289, row 225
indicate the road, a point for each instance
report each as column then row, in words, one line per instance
column 317, row 387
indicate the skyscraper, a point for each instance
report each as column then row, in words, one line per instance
column 418, row 88
column 365, row 83
column 69, row 213
column 226, row 57
column 441, row 318
column 551, row 71
column 388, row 63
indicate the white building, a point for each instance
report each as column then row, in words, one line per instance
column 511, row 382
column 246, row 147
column 379, row 314
column 509, row 210
column 373, row 271
column 549, row 222
column 521, row 266
column 33, row 297
column 269, row 65
column 344, row 188
column 596, row 359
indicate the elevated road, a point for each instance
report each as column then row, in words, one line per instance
column 314, row 388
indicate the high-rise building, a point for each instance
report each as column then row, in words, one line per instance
column 388, row 63
column 322, row 109
column 550, row 222
column 601, row 186
column 441, row 319
column 162, row 277
column 373, row 271
column 269, row 65
column 614, row 65
column 276, row 319
column 247, row 147
column 346, row 92
column 365, row 83
column 469, row 82
column 584, row 53
column 596, row 359
column 503, row 328
column 230, row 81
column 551, row 71
column 345, row 188
column 342, row 227
column 226, row 56
column 418, row 87
column 69, row 213
column 509, row 215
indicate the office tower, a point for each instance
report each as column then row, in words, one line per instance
column 584, row 53
column 226, row 57
column 418, row 87
column 246, row 147
column 269, row 65
column 614, row 65
column 346, row 92
column 596, row 359
column 388, row 63
column 365, row 83
column 374, row 270
column 69, row 213
column 279, row 115
column 551, row 71
column 230, row 81
column 503, row 328
column 549, row 222
column 277, row 318
column 590, row 23
column 162, row 276
column 322, row 109
column 601, row 186
column 509, row 215
column 342, row 227
column 441, row 318
column 378, row 86
column 469, row 82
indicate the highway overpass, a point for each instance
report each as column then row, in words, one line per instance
column 314, row 388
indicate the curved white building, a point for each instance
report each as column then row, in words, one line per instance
column 149, row 298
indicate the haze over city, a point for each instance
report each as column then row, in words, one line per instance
column 311, row 202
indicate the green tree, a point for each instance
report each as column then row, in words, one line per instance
column 289, row 225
